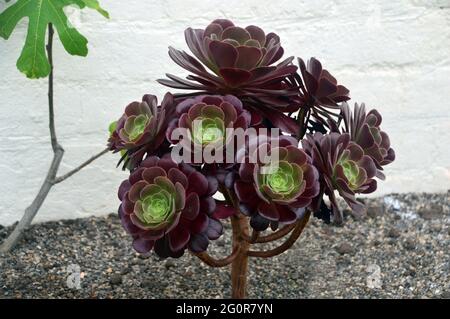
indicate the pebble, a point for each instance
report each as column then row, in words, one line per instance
column 169, row 264
column 125, row 271
column 374, row 211
column 115, row 279
column 393, row 233
column 344, row 248
column 431, row 211
column 445, row 295
column 409, row 244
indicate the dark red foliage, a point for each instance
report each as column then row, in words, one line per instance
column 242, row 62
column 238, row 80
column 188, row 224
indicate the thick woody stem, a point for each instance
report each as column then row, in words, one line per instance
column 239, row 266
column 299, row 226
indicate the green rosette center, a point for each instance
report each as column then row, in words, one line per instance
column 208, row 130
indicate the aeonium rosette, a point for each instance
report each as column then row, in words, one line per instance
column 206, row 125
column 320, row 93
column 319, row 87
column 243, row 62
column 364, row 129
column 141, row 129
column 343, row 166
column 239, row 58
column 277, row 181
column 168, row 207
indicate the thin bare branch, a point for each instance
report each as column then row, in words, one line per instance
column 80, row 167
column 299, row 226
column 51, row 116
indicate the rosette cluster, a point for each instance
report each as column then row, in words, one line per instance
column 141, row 129
column 276, row 183
column 320, row 88
column 254, row 136
column 207, row 122
column 343, row 167
column 168, row 207
column 365, row 130
column 238, row 57
column 229, row 59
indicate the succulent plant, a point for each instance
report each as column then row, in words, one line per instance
column 168, row 207
column 242, row 61
column 141, row 129
column 237, row 85
column 365, row 131
column 278, row 187
column 210, row 121
column 343, row 167
column 320, row 92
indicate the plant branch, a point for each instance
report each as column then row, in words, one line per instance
column 80, row 167
column 253, row 238
column 51, row 120
column 58, row 153
column 299, row 226
column 213, row 262
column 239, row 267
column 277, row 235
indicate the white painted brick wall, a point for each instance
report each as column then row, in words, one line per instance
column 393, row 55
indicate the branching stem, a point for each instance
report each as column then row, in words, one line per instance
column 213, row 262
column 58, row 153
column 299, row 226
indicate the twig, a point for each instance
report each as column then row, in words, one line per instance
column 300, row 225
column 81, row 166
column 58, row 153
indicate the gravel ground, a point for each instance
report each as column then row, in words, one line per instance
column 399, row 249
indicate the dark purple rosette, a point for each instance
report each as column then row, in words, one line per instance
column 242, row 62
column 277, row 187
column 210, row 122
column 168, row 207
column 364, row 129
column 141, row 129
column 343, row 167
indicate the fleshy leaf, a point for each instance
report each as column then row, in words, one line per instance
column 33, row 60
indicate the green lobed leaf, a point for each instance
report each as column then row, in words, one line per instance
column 93, row 4
column 33, row 59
